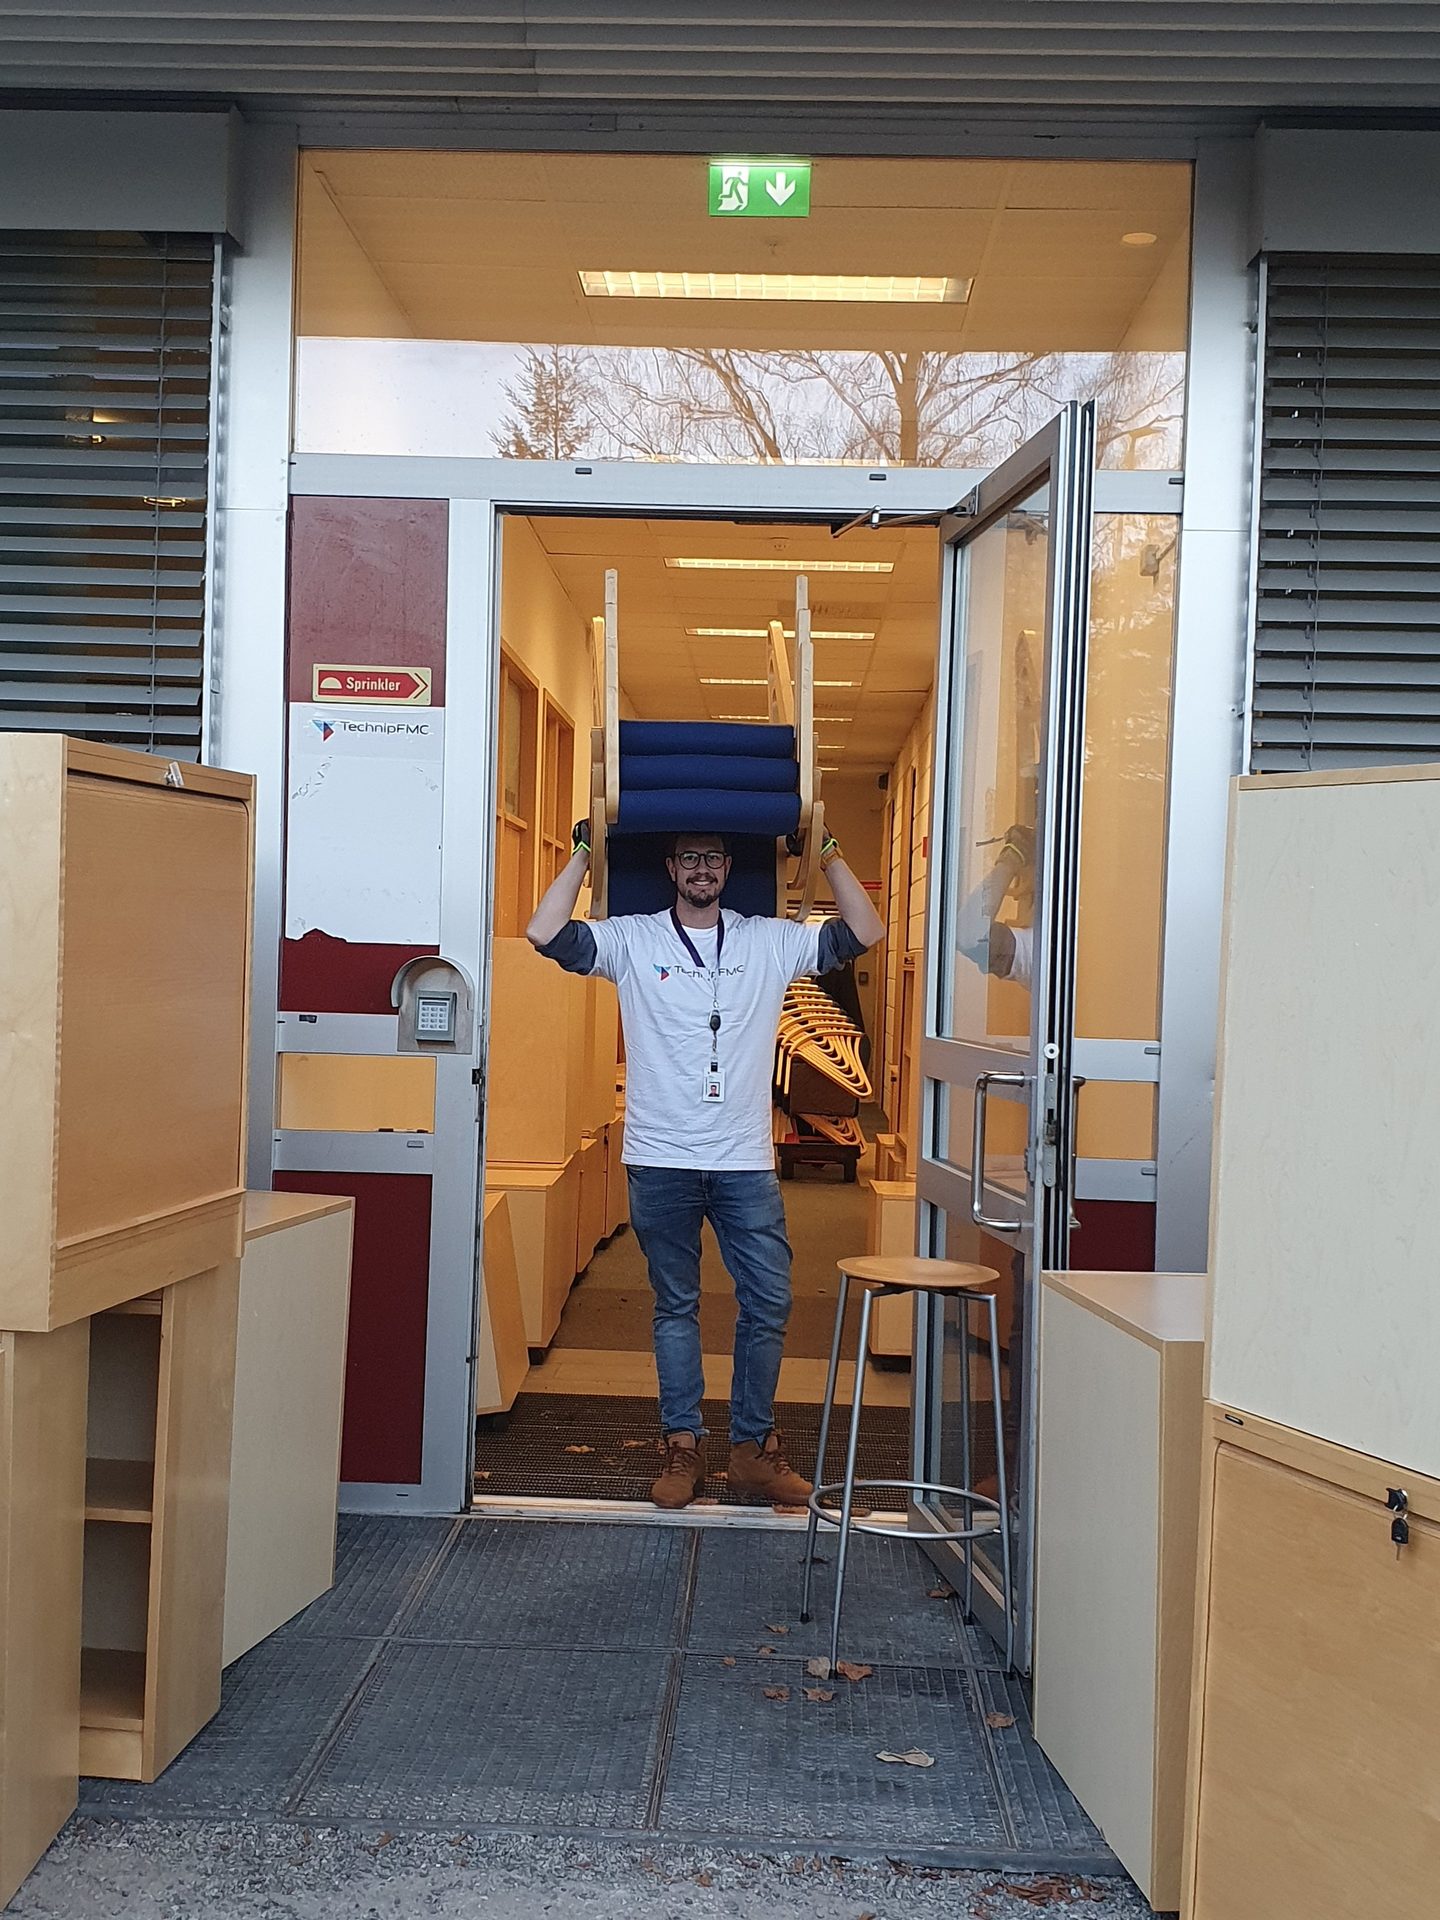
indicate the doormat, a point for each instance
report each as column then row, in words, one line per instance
column 564, row 1446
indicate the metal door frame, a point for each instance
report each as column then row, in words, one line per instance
column 1058, row 462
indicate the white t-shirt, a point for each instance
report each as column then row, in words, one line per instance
column 666, row 1003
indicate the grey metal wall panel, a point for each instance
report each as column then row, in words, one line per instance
column 1045, row 54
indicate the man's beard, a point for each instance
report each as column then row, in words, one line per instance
column 694, row 888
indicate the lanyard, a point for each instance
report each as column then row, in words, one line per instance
column 700, row 967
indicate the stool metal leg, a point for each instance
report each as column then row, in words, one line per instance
column 848, row 1497
column 826, row 1409
column 1001, row 1491
column 966, row 1454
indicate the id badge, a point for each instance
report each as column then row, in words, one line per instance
column 712, row 1088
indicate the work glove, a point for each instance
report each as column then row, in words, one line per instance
column 829, row 850
column 580, row 838
column 1019, row 842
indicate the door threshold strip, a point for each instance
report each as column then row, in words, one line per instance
column 642, row 1513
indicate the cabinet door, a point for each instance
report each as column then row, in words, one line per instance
column 1320, row 1758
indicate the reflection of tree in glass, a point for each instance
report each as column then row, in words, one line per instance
column 551, row 407
column 893, row 408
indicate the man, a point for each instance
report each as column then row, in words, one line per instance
column 990, row 943
column 700, row 997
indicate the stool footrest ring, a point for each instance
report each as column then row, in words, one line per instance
column 835, row 1489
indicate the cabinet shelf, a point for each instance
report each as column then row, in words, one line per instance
column 120, row 1490
column 112, row 1689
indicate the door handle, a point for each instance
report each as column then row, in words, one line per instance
column 983, row 1084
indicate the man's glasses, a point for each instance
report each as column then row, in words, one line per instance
column 690, row 860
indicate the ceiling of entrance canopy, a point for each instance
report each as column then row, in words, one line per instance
column 693, row 638
column 1024, row 256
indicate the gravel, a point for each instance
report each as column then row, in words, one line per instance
column 191, row 1870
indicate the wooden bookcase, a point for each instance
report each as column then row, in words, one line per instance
column 42, row 1523
column 162, row 1370
column 125, row 928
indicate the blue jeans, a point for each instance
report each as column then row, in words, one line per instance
column 668, row 1208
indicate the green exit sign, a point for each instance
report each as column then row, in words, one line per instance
column 760, row 189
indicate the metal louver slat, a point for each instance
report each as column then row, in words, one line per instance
column 105, row 381
column 1347, row 572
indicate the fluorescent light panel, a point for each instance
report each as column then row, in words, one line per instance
column 761, row 633
column 847, row 289
column 711, row 680
column 725, row 564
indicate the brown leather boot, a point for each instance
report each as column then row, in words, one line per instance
column 683, row 1473
column 766, row 1475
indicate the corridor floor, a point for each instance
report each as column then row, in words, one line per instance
column 494, row 1677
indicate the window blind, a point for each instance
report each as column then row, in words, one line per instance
column 105, row 348
column 1347, row 619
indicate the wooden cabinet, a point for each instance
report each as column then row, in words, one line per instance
column 1315, row 1757
column 1118, row 1465
column 293, row 1312
column 590, row 1207
column 42, row 1530
column 617, row 1190
column 161, row 1400
column 124, row 994
column 504, row 1357
column 544, row 1220
column 892, row 1230
column 550, row 1075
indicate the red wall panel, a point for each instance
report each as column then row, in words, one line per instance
column 389, row 1289
column 367, row 587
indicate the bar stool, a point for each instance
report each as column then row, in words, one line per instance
column 881, row 1275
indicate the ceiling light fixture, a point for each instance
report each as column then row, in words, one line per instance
column 739, row 716
column 833, row 719
column 867, row 289
column 708, row 680
column 719, row 563
column 760, row 633
column 1138, row 239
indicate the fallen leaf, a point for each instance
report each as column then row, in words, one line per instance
column 728, row 1660
column 818, row 1668
column 940, row 1593
column 1049, row 1889
column 766, row 1653
column 916, row 1757
column 482, row 1473
column 579, row 1449
column 777, row 1693
column 852, row 1670
column 634, row 1443
column 998, row 1720
column 610, row 1460
column 818, row 1693
column 704, row 1879
column 782, row 1631
column 776, row 1508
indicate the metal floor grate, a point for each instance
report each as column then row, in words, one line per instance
column 534, row 1453
column 564, row 1677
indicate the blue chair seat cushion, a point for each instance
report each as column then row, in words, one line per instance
column 706, row 810
column 736, row 772
column 755, row 742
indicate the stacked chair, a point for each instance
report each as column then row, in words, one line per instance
column 821, row 1076
column 755, row 783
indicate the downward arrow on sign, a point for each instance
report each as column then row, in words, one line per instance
column 780, row 188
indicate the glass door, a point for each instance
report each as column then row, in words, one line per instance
column 995, row 1178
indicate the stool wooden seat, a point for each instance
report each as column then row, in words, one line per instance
column 913, row 1273
column 879, row 1275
